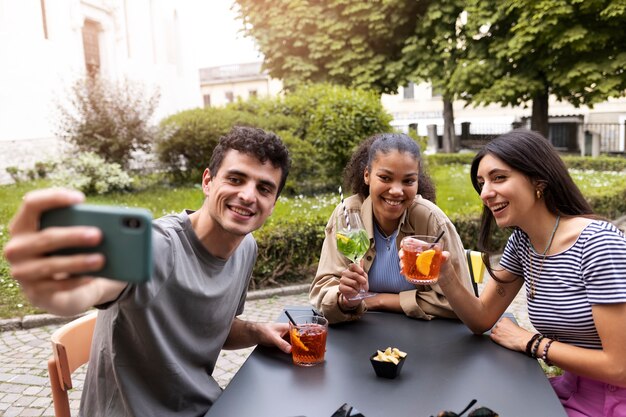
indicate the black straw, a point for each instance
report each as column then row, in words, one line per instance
column 290, row 318
column 437, row 239
column 468, row 407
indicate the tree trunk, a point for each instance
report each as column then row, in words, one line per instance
column 450, row 141
column 539, row 118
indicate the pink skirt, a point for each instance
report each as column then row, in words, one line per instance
column 584, row 397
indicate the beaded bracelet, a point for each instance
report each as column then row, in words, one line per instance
column 536, row 347
column 544, row 356
column 529, row 345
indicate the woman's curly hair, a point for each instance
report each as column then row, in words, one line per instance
column 368, row 151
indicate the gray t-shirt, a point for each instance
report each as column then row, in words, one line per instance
column 154, row 349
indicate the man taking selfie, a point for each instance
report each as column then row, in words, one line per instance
column 156, row 344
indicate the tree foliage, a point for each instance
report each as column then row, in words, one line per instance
column 335, row 119
column 524, row 50
column 432, row 54
column 348, row 42
column 511, row 52
column 378, row 45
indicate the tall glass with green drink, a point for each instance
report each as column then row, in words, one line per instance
column 353, row 242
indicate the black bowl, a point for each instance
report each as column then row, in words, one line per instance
column 386, row 369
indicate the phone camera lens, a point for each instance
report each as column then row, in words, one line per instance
column 132, row 223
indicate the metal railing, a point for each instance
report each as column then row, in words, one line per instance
column 612, row 136
column 564, row 136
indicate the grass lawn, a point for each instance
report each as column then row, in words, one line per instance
column 454, row 195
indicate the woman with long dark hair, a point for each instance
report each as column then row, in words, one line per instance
column 393, row 195
column 571, row 263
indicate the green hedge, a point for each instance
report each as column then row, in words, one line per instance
column 611, row 204
column 288, row 251
column 450, row 158
column 321, row 125
column 601, row 163
column 189, row 137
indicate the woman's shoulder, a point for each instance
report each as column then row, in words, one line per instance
column 599, row 235
column 600, row 229
column 353, row 202
column 424, row 207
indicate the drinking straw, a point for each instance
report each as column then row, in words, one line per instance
column 436, row 240
column 345, row 212
column 290, row 318
column 468, row 405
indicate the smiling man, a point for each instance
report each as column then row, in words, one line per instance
column 156, row 344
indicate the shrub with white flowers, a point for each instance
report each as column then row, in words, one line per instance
column 91, row 174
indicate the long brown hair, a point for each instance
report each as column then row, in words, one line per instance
column 531, row 154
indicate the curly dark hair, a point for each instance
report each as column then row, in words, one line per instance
column 368, row 151
column 265, row 146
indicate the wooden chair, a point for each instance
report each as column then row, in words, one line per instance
column 476, row 268
column 70, row 346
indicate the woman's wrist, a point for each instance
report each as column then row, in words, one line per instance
column 342, row 302
column 530, row 343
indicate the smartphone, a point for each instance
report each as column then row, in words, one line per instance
column 126, row 242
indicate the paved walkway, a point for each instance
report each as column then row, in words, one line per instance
column 24, row 386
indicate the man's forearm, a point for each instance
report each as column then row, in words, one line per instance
column 242, row 334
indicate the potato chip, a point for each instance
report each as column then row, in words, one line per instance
column 390, row 354
column 398, row 352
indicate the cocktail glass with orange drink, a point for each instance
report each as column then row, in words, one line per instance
column 308, row 339
column 421, row 259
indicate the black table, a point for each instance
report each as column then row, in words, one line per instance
column 446, row 367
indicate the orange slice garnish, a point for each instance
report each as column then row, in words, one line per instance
column 295, row 339
column 424, row 260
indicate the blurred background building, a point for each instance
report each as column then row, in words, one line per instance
column 46, row 45
column 221, row 85
column 572, row 129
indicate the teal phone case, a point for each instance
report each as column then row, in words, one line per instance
column 126, row 243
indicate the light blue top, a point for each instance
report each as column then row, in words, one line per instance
column 384, row 275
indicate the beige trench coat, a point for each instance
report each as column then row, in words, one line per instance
column 426, row 301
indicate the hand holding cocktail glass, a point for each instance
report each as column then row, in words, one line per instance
column 421, row 258
column 307, row 333
column 353, row 243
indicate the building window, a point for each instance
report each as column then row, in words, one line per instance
column 252, row 93
column 409, row 91
column 91, row 46
column 230, row 97
column 207, row 100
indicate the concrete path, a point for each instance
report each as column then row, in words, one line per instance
column 24, row 385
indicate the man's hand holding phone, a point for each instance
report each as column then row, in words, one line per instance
column 63, row 283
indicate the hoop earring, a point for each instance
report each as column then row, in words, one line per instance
column 539, row 194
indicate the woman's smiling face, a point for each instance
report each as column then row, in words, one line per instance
column 509, row 194
column 392, row 182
